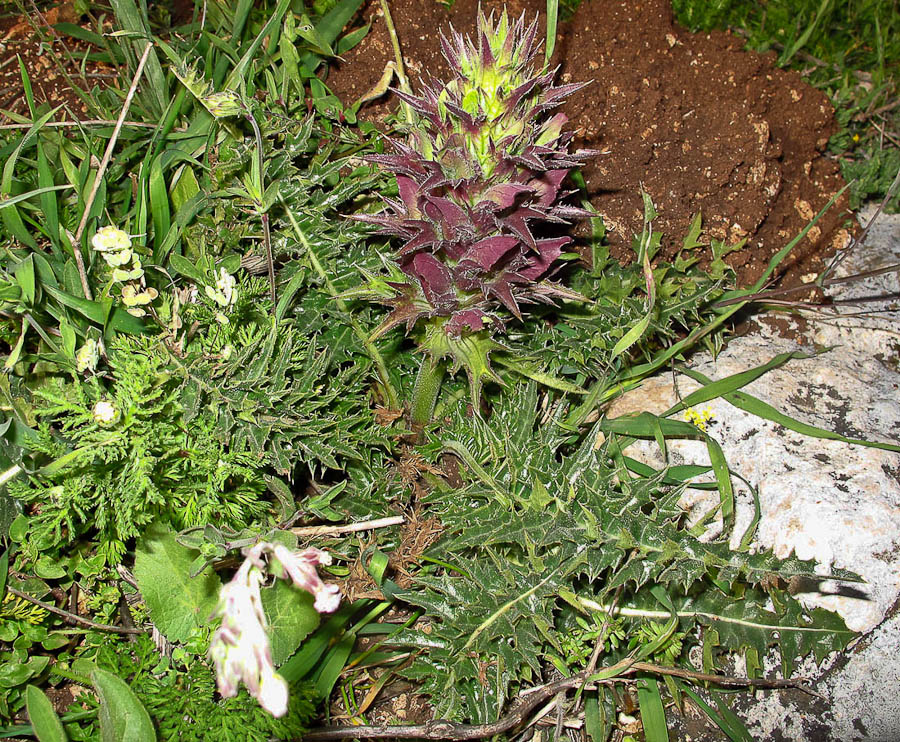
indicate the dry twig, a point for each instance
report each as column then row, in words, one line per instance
column 73, row 617
column 101, row 171
column 443, row 729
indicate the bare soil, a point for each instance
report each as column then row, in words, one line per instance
column 55, row 65
column 699, row 123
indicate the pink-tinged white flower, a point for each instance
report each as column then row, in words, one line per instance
column 300, row 566
column 240, row 648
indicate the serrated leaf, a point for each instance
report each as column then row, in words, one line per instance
column 178, row 603
column 291, row 618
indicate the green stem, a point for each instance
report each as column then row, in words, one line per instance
column 398, row 59
column 425, row 394
column 390, row 394
column 260, row 206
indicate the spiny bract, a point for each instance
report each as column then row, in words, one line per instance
column 484, row 161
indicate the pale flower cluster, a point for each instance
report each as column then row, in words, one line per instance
column 240, row 648
column 88, row 356
column 104, row 412
column 115, row 246
column 224, row 294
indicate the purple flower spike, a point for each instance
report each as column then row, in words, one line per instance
column 482, row 169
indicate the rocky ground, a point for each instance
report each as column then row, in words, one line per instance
column 826, row 500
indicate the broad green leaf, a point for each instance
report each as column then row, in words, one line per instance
column 24, row 273
column 185, row 188
column 187, row 268
column 653, row 715
column 122, row 716
column 116, row 318
column 178, row 603
column 291, row 618
column 46, row 724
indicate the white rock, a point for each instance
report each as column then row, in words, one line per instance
column 826, row 500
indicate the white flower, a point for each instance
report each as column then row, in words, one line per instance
column 273, row 693
column 87, row 356
column 111, row 239
column 225, row 293
column 105, row 412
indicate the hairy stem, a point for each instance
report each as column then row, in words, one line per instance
column 425, row 393
column 264, row 216
column 398, row 59
column 390, row 395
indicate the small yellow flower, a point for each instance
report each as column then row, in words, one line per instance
column 698, row 419
column 132, row 297
column 111, row 239
column 116, row 259
column 105, row 412
column 128, row 274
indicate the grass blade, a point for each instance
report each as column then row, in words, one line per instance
column 732, row 726
column 7, row 202
column 159, row 203
column 131, row 19
column 722, row 387
column 236, row 78
column 653, row 715
column 756, row 406
column 552, row 18
column 26, row 86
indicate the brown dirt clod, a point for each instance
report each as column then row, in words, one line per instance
column 699, row 123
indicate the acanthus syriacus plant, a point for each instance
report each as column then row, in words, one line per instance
column 484, row 163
